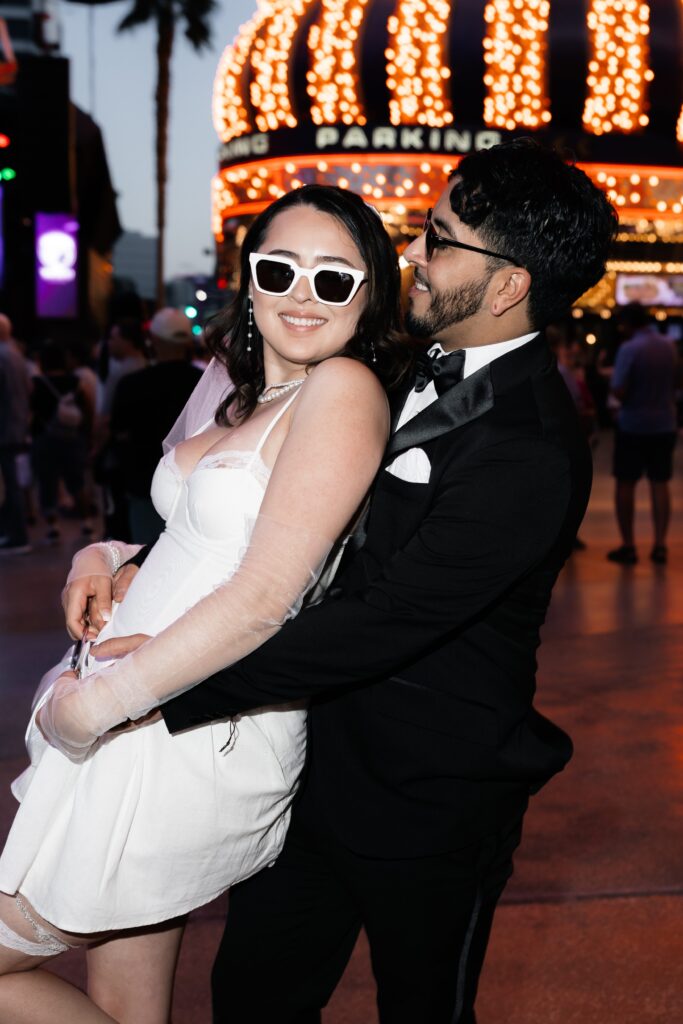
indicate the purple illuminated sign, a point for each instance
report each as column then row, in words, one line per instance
column 56, row 265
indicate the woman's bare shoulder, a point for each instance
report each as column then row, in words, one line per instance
column 340, row 377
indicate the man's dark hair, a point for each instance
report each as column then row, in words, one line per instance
column 526, row 201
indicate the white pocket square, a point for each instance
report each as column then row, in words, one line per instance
column 412, row 466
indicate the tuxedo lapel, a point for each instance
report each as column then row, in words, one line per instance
column 464, row 402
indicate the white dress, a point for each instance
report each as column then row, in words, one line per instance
column 152, row 825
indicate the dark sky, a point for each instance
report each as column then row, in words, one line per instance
column 124, row 78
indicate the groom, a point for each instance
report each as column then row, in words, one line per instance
column 420, row 665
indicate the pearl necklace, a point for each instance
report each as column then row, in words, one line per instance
column 277, row 390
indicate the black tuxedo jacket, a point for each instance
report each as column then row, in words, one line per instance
column 421, row 663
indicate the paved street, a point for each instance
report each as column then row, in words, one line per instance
column 590, row 931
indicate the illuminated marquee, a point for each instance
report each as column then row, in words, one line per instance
column 230, row 115
column 516, row 66
column 333, row 81
column 417, row 69
column 619, row 66
column 270, row 55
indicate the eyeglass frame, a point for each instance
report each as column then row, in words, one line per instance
column 433, row 240
column 359, row 276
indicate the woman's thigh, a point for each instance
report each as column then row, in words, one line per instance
column 130, row 974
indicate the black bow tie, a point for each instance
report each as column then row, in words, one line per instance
column 445, row 371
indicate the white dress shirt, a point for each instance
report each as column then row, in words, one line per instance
column 413, row 465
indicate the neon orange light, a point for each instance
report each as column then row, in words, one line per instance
column 417, row 67
column 333, row 81
column 230, row 114
column 515, row 48
column 618, row 67
column 270, row 57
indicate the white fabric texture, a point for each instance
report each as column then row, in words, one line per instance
column 100, row 559
column 151, row 826
column 413, row 466
column 47, row 945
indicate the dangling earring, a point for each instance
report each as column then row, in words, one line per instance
column 250, row 333
column 373, row 354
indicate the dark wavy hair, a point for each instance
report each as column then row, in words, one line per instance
column 527, row 201
column 376, row 341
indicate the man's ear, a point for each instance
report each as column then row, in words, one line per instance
column 511, row 286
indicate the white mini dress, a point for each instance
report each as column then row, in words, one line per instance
column 152, row 825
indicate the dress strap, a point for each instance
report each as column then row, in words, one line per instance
column 275, row 420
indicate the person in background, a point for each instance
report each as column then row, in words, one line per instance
column 644, row 382
column 78, row 361
column 126, row 345
column 14, row 427
column 126, row 354
column 567, row 351
column 61, row 426
column 138, row 425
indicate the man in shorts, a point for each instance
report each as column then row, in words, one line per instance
column 644, row 381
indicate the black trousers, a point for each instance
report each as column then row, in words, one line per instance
column 291, row 929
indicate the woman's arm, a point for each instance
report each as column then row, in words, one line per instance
column 322, row 473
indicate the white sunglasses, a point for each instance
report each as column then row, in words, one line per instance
column 277, row 275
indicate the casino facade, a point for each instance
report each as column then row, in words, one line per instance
column 386, row 96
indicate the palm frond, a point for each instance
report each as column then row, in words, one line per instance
column 141, row 12
column 196, row 14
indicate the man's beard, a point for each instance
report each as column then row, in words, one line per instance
column 448, row 308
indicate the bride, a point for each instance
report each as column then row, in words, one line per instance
column 121, row 832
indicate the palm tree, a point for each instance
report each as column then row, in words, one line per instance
column 168, row 15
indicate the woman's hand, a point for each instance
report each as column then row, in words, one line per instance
column 87, row 601
column 60, row 722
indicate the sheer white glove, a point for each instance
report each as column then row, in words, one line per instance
column 87, row 595
column 280, row 565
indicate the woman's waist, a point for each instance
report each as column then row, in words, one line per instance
column 173, row 578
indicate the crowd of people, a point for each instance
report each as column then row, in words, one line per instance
column 79, row 437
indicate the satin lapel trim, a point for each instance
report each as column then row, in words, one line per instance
column 462, row 403
column 397, row 402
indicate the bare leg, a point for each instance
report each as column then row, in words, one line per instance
column 30, row 996
column 130, row 976
column 38, row 997
column 661, row 510
column 624, row 499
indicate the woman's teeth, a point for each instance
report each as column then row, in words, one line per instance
column 302, row 321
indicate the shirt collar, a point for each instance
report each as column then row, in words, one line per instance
column 482, row 355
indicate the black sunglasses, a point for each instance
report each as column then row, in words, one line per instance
column 434, row 241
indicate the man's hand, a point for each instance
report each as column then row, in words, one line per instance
column 122, row 580
column 118, row 646
column 87, row 601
